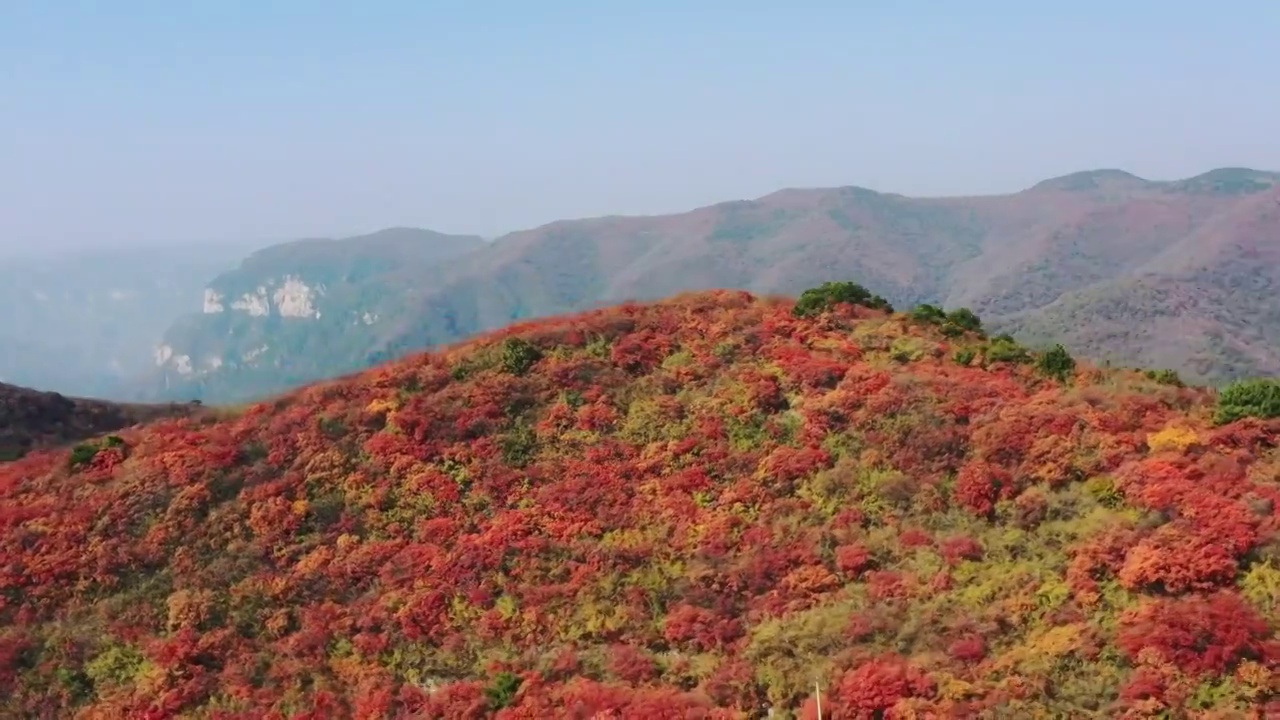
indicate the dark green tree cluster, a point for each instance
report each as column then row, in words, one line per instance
column 1057, row 363
column 1004, row 348
column 502, row 692
column 514, row 356
column 927, row 313
column 519, row 355
column 816, row 301
column 1165, row 377
column 84, row 453
column 1249, row 398
column 953, row 323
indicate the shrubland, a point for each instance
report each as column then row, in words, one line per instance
column 695, row 508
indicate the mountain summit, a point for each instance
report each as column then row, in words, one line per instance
column 1108, row 179
column 694, row 508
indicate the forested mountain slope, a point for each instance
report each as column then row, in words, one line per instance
column 693, row 508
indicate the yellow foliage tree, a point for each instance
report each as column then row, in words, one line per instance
column 1178, row 439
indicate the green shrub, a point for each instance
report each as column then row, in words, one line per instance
column 1104, row 490
column 253, row 451
column 519, row 355
column 503, row 691
column 82, row 454
column 519, row 446
column 964, row 356
column 929, row 314
column 332, row 428
column 116, row 666
column 599, row 347
column 816, row 301
column 74, row 683
column 1005, row 349
column 1165, row 377
column 966, row 319
column 461, row 371
column 1057, row 363
column 572, row 398
column 954, row 323
column 906, row 349
column 1248, row 398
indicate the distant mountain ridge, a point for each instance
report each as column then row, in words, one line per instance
column 1120, row 268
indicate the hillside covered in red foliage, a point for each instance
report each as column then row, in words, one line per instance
column 691, row 509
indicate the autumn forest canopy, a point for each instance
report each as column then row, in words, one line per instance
column 694, row 508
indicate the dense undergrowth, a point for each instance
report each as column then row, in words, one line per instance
column 695, row 508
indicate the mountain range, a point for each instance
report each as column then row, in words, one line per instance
column 708, row 507
column 1181, row 274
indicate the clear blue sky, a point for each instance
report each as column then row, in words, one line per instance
column 140, row 121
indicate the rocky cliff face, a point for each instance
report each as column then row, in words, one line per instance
column 296, row 312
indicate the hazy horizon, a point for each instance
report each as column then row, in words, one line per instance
column 211, row 123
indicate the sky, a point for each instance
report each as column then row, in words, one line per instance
column 143, row 122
